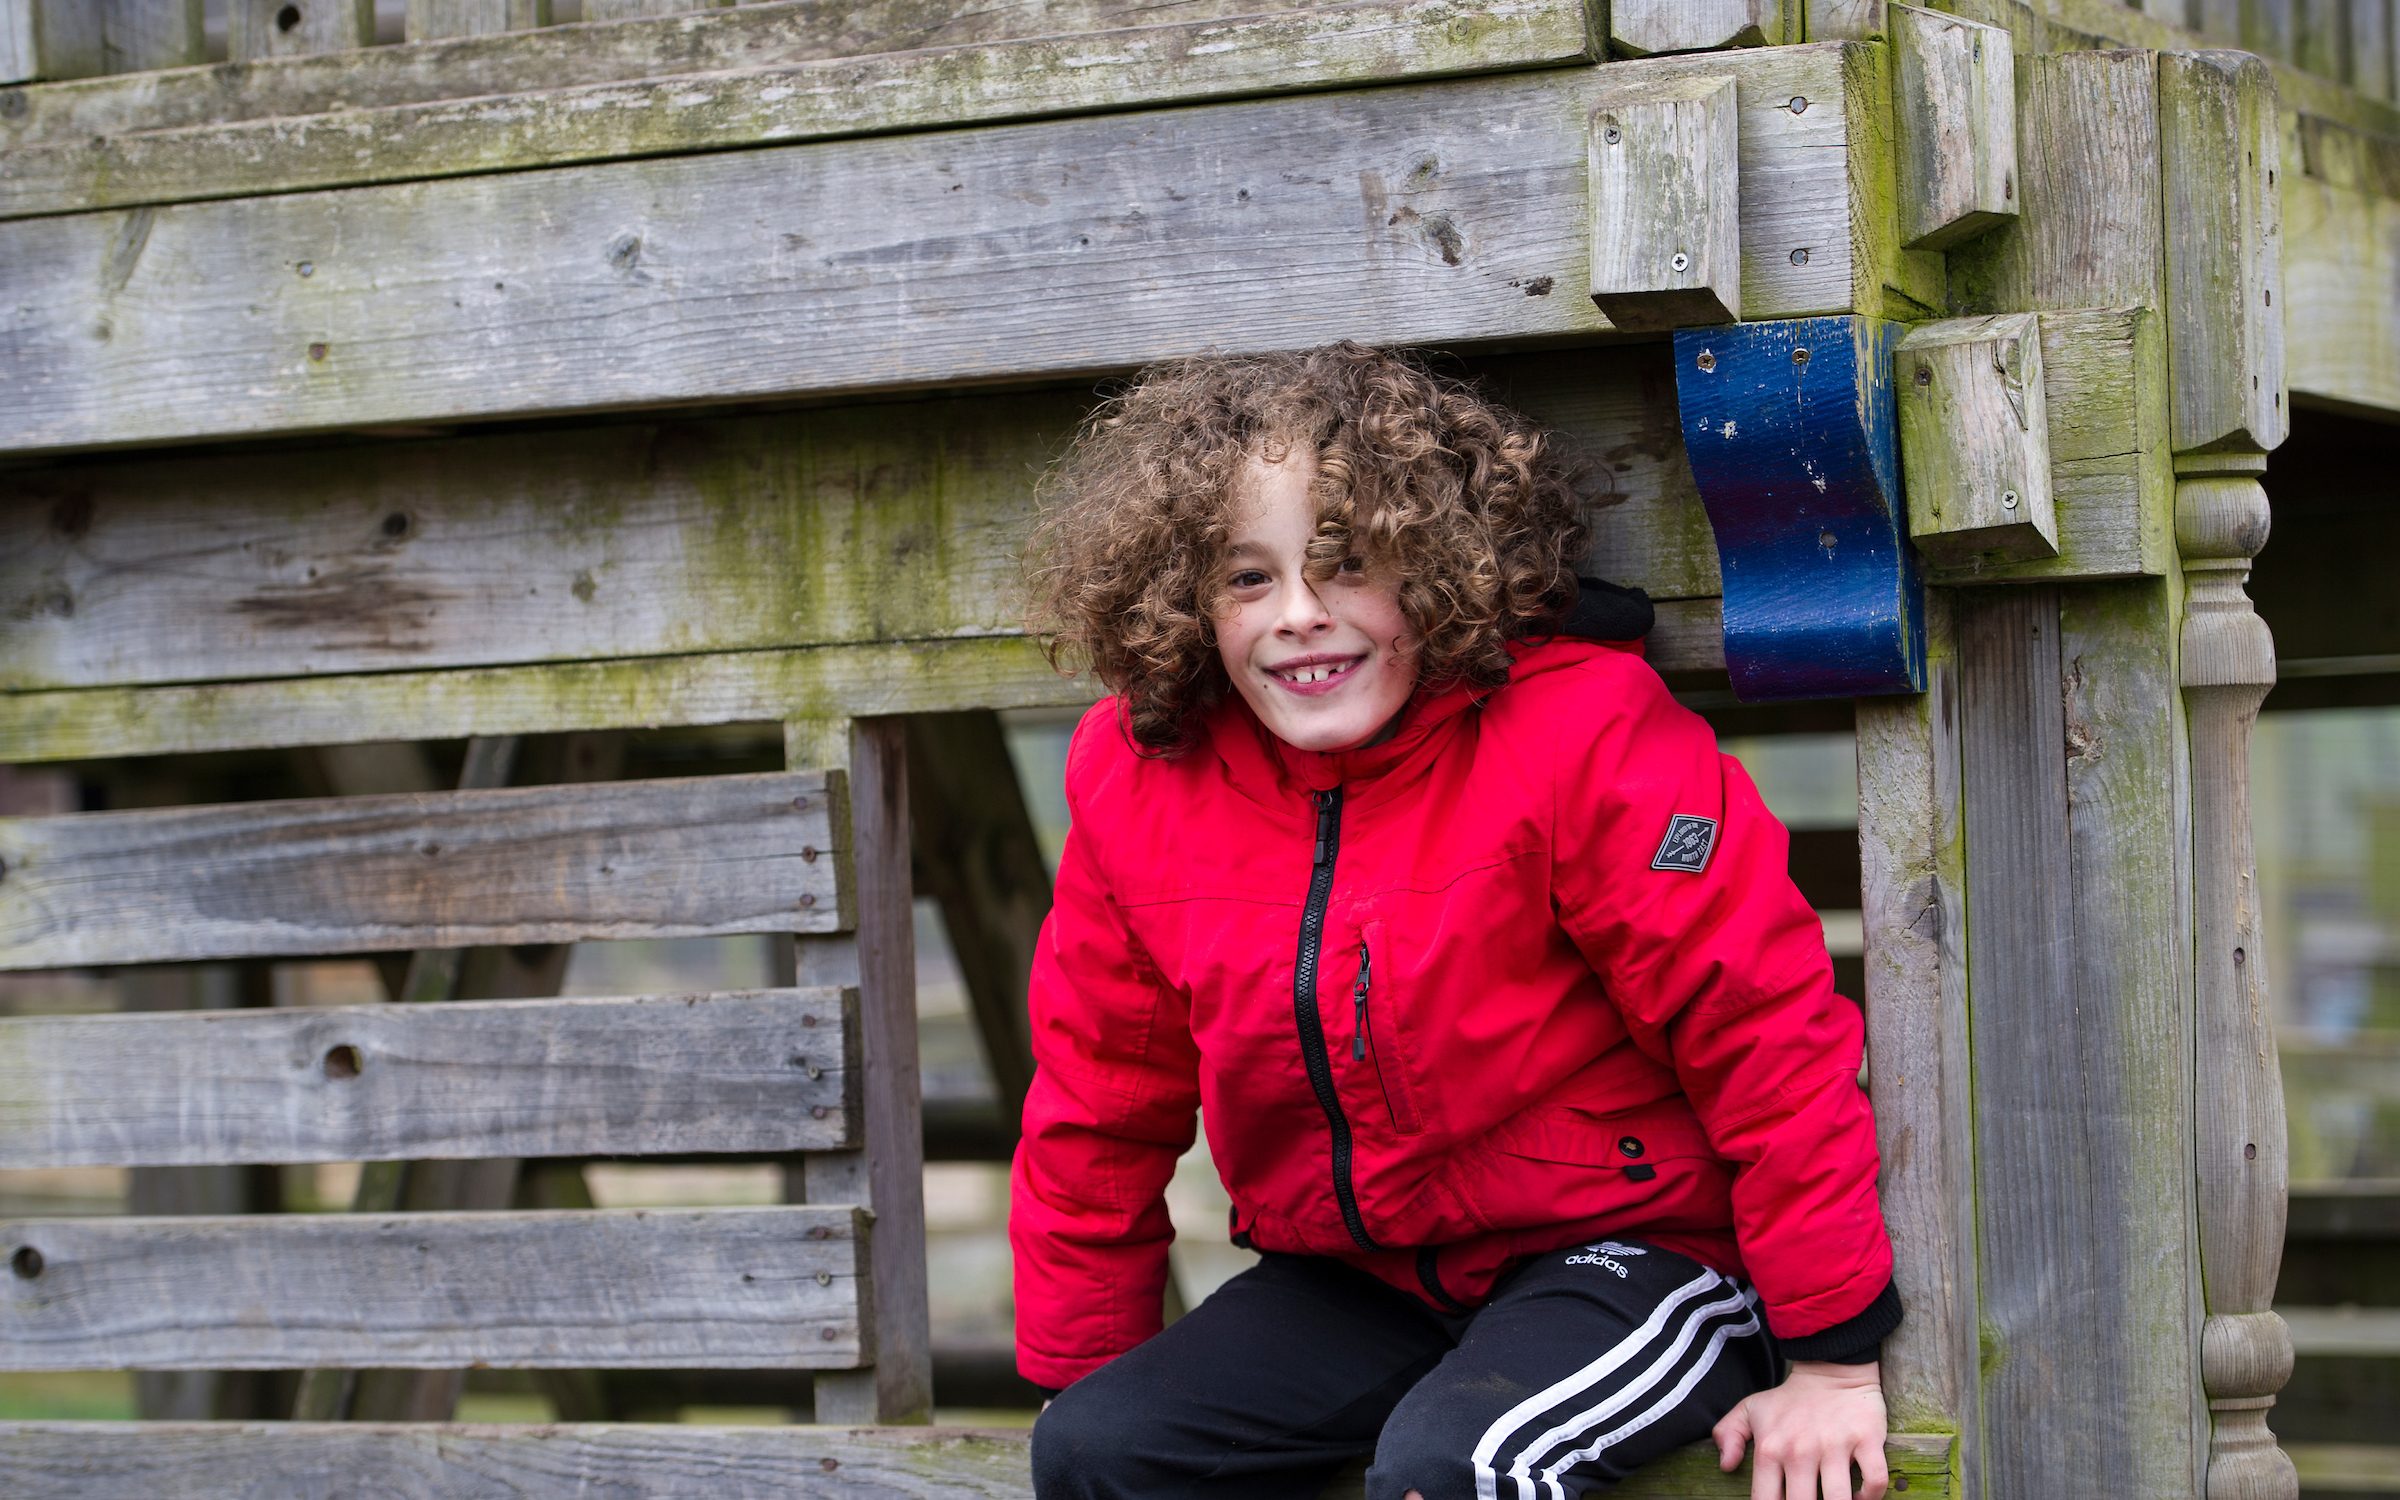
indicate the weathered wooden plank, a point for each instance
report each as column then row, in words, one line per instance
column 844, row 524
column 1975, row 437
column 884, row 678
column 2371, row 41
column 496, row 1461
column 696, row 856
column 1846, row 20
column 1954, row 109
column 2220, row 160
column 49, row 39
column 141, row 34
column 2341, row 276
column 1367, row 42
column 1666, row 203
column 1913, row 916
column 1441, row 212
column 774, row 34
column 429, row 20
column 1639, row 28
column 885, row 1175
column 739, row 1287
column 288, row 28
column 2087, row 233
column 626, row 10
column 747, row 1070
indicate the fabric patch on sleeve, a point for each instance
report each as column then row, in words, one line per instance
column 1690, row 840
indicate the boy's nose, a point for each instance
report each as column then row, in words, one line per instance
column 1302, row 610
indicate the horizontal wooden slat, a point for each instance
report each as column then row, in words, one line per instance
column 492, row 1461
column 840, row 681
column 878, row 522
column 751, row 1070
column 1426, row 213
column 695, row 856
column 1373, row 41
column 749, row 36
column 544, row 1289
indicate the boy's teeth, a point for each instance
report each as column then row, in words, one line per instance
column 1310, row 674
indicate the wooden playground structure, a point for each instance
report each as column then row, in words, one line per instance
column 524, row 384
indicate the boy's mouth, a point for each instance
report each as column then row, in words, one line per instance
column 1314, row 674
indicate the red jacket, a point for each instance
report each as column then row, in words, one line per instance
column 1529, row 973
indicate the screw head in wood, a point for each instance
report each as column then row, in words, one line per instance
column 1612, row 135
column 816, row 1111
column 307, row 268
column 824, row 1278
column 2008, row 499
column 1924, row 375
column 1680, row 261
column 827, row 1334
column 1707, row 362
column 316, row 351
column 1799, row 105
column 808, row 854
column 808, row 898
column 1800, row 256
column 813, row 1071
column 1800, row 355
column 799, row 804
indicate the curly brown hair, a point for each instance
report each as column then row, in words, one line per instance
column 1469, row 503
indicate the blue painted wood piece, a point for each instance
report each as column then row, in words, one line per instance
column 1792, row 430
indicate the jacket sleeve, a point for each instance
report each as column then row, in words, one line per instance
column 1673, row 879
column 1113, row 1103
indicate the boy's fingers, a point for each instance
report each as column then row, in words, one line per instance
column 1836, row 1474
column 1874, row 1475
column 1766, row 1479
column 1730, row 1433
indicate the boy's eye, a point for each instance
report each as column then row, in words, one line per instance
column 1354, row 564
column 1247, row 578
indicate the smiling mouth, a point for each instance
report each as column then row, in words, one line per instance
column 1316, row 673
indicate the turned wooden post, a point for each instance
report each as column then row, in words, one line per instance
column 2219, row 149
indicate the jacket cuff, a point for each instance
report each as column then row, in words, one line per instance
column 1853, row 1341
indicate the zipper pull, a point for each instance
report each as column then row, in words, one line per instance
column 1326, row 802
column 1358, row 1002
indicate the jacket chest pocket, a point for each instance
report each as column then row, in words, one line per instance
column 1379, row 1034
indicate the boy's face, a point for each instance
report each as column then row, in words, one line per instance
column 1325, row 665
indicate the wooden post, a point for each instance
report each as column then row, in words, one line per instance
column 428, row 19
column 887, row 1176
column 290, row 28
column 2220, row 152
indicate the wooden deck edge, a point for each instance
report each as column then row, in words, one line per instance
column 168, row 1460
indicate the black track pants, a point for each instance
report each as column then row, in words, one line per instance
column 1587, row 1363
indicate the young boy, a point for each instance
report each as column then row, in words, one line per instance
column 1518, row 1052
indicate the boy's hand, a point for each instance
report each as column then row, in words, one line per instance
column 1809, row 1430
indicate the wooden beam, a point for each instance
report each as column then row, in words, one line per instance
column 882, row 678
column 1913, row 918
column 1441, row 212
column 885, row 1174
column 1954, row 108
column 1666, row 203
column 2220, row 156
column 1370, row 41
column 1975, row 438
column 844, row 524
column 739, row 1071
column 778, row 33
column 533, row 1290
column 485, row 1461
column 697, row 856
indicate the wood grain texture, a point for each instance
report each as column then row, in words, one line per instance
column 140, row 34
column 1954, row 111
column 494, row 1461
column 1639, row 28
column 2088, row 228
column 1975, row 438
column 50, row 39
column 2341, row 276
column 724, row 1287
column 2220, row 159
column 878, row 522
column 694, row 856
column 1425, row 213
column 750, row 1070
column 775, row 34
column 1666, row 202
column 289, row 28
column 1846, row 20
column 889, row 678
column 885, row 1175
column 430, row 20
column 1913, row 915
column 1370, row 41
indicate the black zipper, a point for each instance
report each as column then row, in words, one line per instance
column 1310, row 1023
column 1429, row 1277
column 1358, row 1007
